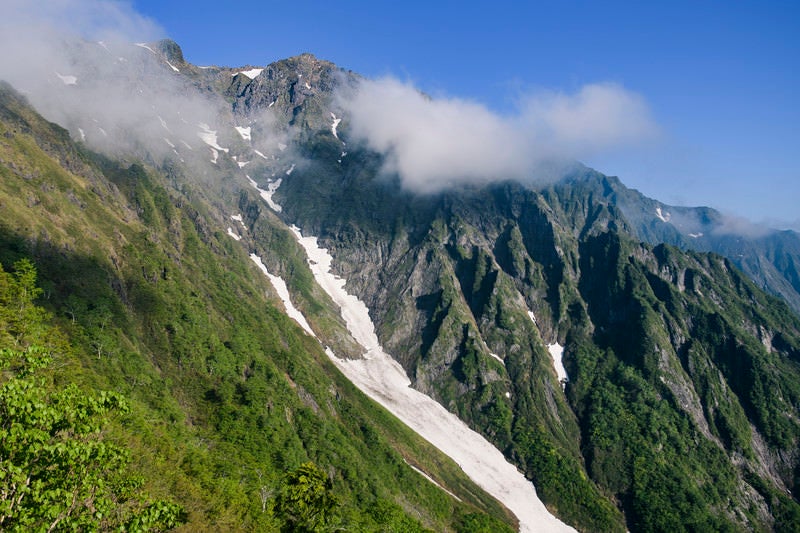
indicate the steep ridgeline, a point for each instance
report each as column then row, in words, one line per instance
column 681, row 405
column 238, row 420
column 770, row 258
column 679, row 409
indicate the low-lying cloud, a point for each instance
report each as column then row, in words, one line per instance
column 79, row 64
column 432, row 144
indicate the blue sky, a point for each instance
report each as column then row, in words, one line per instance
column 720, row 78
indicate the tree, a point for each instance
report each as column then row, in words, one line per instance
column 306, row 500
column 56, row 470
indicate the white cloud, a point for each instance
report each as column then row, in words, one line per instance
column 436, row 143
column 121, row 97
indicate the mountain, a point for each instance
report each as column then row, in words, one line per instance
column 768, row 257
column 634, row 370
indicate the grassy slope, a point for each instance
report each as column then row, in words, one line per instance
column 227, row 392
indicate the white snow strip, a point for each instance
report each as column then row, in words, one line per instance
column 335, row 125
column 244, row 132
column 242, row 164
column 163, row 123
column 272, row 103
column 169, row 143
column 383, row 379
column 67, row 79
column 281, row 147
column 291, row 169
column 267, row 195
column 144, row 45
column 259, row 154
column 214, row 156
column 252, row 73
column 664, row 217
column 238, row 218
column 557, row 352
column 102, row 131
column 308, row 86
column 209, row 136
column 232, row 234
column 186, row 145
column 283, row 293
column 173, row 67
column 498, row 358
column 533, row 318
column 695, row 235
column 83, row 134
column 429, row 478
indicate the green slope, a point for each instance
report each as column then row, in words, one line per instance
column 227, row 395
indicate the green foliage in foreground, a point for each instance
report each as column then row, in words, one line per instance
column 57, row 472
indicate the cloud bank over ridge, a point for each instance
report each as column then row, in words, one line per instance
column 433, row 144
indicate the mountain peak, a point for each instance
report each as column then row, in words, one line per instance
column 171, row 50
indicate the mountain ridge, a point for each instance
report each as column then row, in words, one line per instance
column 680, row 410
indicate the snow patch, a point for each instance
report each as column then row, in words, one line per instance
column 267, row 194
column 533, row 318
column 186, row 145
column 232, row 234
column 163, row 123
column 663, row 216
column 169, row 143
column 173, row 67
column 209, row 136
column 291, row 169
column 557, row 352
column 242, row 164
column 144, row 45
column 695, row 235
column 214, row 156
column 282, row 147
column 259, row 154
column 83, row 134
column 335, row 125
column 383, row 379
column 244, row 132
column 498, row 358
column 283, row 293
column 252, row 73
column 238, row 218
column 67, row 79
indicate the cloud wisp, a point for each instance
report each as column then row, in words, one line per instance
column 433, row 144
column 79, row 64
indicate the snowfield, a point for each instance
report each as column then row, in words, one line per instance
column 283, row 293
column 383, row 379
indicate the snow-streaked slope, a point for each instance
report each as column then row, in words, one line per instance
column 209, row 136
column 267, row 194
column 383, row 379
column 283, row 293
